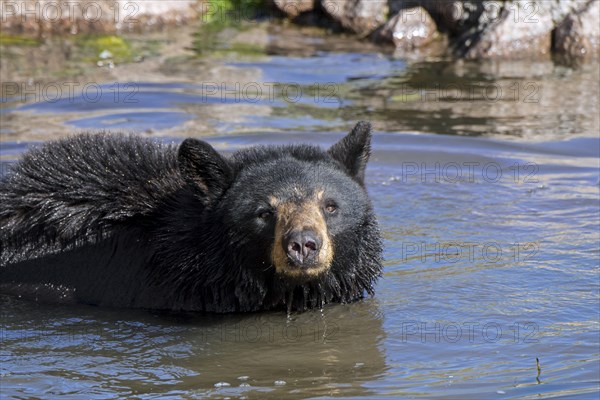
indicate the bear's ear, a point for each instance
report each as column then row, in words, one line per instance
column 353, row 150
column 203, row 168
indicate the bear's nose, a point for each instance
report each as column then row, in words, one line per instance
column 302, row 247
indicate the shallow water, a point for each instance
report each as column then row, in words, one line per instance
column 491, row 285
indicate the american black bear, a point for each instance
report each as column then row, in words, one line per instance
column 123, row 221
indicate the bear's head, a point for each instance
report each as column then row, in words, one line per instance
column 298, row 210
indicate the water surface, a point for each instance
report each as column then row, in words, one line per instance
column 488, row 207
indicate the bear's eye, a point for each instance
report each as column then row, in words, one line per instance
column 265, row 214
column 331, row 207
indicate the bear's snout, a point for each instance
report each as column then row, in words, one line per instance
column 302, row 247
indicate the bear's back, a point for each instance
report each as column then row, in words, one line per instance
column 80, row 187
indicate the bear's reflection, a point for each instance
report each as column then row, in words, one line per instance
column 333, row 352
column 316, row 353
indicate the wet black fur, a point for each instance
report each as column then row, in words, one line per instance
column 127, row 222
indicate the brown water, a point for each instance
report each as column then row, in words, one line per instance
column 491, row 286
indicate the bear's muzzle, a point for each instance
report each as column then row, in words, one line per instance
column 302, row 247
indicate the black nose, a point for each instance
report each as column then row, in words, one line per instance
column 302, row 247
